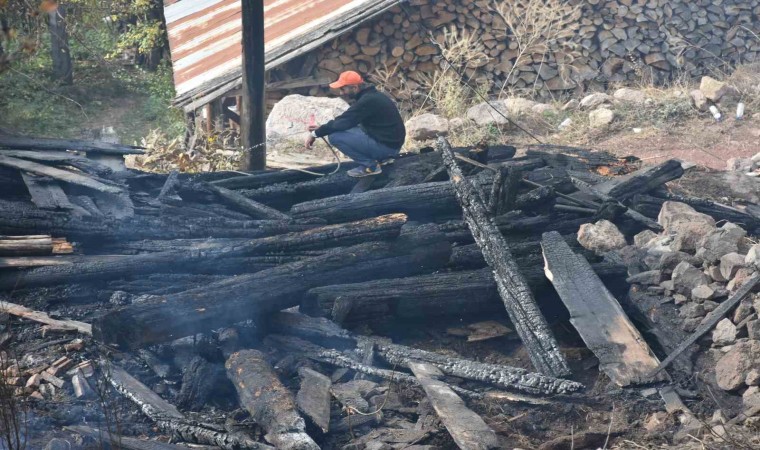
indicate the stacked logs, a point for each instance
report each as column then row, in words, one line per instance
column 600, row 41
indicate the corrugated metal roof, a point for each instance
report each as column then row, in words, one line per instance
column 205, row 35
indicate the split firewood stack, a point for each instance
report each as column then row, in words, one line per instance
column 281, row 293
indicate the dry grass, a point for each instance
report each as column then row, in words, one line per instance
column 210, row 152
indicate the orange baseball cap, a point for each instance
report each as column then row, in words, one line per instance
column 347, row 78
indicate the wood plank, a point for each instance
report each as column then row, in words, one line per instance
column 710, row 321
column 313, row 398
column 41, row 317
column 468, row 429
column 519, row 302
column 30, row 143
column 46, row 193
column 58, row 174
column 603, row 325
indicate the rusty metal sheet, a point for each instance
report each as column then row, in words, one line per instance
column 205, row 35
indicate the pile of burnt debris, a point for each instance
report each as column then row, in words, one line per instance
column 465, row 298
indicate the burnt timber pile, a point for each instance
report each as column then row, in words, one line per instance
column 466, row 298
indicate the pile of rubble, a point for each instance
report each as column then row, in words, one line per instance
column 463, row 289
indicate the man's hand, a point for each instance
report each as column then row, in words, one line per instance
column 309, row 141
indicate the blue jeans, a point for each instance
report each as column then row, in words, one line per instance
column 357, row 145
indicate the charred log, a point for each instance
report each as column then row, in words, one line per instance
column 270, row 403
column 248, row 296
column 529, row 323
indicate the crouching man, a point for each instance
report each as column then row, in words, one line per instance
column 369, row 132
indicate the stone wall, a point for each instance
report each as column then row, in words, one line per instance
column 583, row 44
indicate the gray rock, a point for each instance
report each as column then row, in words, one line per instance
column 670, row 260
column 751, row 398
column 753, row 378
column 600, row 118
column 710, row 305
column 594, row 100
column 732, row 368
column 649, row 278
column 741, row 277
column 457, row 123
column 667, row 285
column 724, row 333
column 686, row 277
column 692, row 311
column 519, row 106
column 753, row 329
column 699, row 100
column 628, row 95
column 702, row 292
column 680, row 299
column 742, row 311
column 284, row 124
column 689, row 325
column 753, row 257
column 571, row 105
column 643, row 238
column 720, row 242
column 686, row 225
column 717, row 91
column 601, row 237
column 542, row 109
column 483, row 114
column 427, row 126
column 730, row 264
column 714, row 273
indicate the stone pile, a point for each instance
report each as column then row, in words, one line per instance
column 697, row 265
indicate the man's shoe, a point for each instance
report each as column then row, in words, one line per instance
column 361, row 171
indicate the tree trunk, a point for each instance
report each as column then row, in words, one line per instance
column 59, row 46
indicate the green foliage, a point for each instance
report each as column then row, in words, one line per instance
column 144, row 36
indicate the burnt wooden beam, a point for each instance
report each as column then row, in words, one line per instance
column 454, row 294
column 418, row 200
column 35, row 143
column 169, row 317
column 246, row 205
column 168, row 418
column 324, row 333
column 61, row 159
column 506, row 377
column 270, row 403
column 603, row 325
column 468, row 429
column 641, row 181
column 43, row 318
column 529, row 323
column 336, row 358
column 66, row 176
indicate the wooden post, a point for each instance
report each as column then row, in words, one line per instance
column 252, row 115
